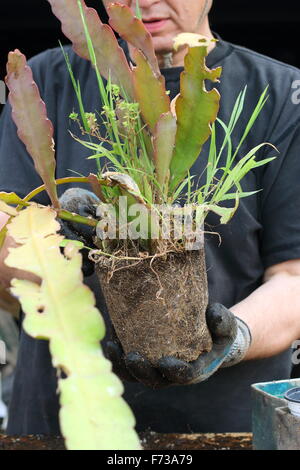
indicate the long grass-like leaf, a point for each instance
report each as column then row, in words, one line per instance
column 230, row 196
column 211, row 163
column 77, row 89
column 110, row 56
column 235, row 175
column 29, row 114
column 181, row 187
column 261, row 102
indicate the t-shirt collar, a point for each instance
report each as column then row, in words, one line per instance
column 214, row 58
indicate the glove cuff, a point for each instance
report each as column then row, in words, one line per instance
column 240, row 345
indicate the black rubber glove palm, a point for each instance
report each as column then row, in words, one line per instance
column 223, row 326
column 84, row 203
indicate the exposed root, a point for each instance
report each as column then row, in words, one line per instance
column 158, row 279
column 126, row 257
column 127, row 254
column 158, row 307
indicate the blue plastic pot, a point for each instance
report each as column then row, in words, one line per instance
column 266, row 397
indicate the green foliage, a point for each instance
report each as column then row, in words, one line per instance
column 228, row 186
column 93, row 416
column 149, row 141
column 138, row 13
column 163, row 142
column 155, row 149
column 149, row 148
column 108, row 55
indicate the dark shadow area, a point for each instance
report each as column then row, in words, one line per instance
column 268, row 27
column 263, row 26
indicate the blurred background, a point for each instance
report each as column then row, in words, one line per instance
column 264, row 26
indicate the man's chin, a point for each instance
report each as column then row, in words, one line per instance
column 163, row 46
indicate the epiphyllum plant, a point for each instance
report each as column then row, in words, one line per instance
column 156, row 289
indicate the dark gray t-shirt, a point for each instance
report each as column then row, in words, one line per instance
column 264, row 231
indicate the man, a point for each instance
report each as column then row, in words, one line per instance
column 255, row 272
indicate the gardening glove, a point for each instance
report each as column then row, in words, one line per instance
column 84, row 203
column 231, row 340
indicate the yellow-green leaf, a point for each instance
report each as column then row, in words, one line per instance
column 8, row 209
column 11, row 198
column 191, row 40
column 93, row 416
column 3, row 233
column 225, row 213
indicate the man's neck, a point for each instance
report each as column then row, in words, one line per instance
column 176, row 58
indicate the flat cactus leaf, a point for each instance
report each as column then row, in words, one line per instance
column 8, row 209
column 93, row 416
column 96, row 187
column 30, row 116
column 192, row 40
column 149, row 90
column 196, row 110
column 132, row 30
column 3, row 231
column 11, row 198
column 163, row 142
column 111, row 60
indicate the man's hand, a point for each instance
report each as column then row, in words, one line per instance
column 84, row 203
column 231, row 340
